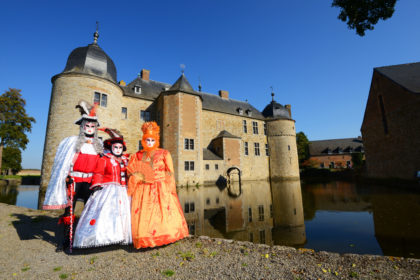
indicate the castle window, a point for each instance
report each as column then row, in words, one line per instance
column 266, row 150
column 240, row 111
column 384, row 121
column 100, row 99
column 261, row 213
column 255, row 127
column 140, row 146
column 288, row 147
column 246, row 148
column 191, row 228
column 262, row 236
column 257, row 149
column 332, row 165
column 208, row 201
column 251, row 237
column 137, row 89
column 207, row 166
column 265, row 129
column 244, row 125
column 248, row 112
column 348, row 164
column 322, row 165
column 145, row 115
column 217, row 200
column 186, row 207
column 216, row 166
column 123, row 113
column 189, row 165
column 188, row 144
column 192, row 207
column 249, row 214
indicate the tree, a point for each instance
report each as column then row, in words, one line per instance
column 12, row 157
column 362, row 15
column 357, row 160
column 302, row 146
column 14, row 122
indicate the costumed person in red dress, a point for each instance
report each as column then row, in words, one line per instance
column 105, row 220
column 72, row 170
column 156, row 214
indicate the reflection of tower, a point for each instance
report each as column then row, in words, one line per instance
column 281, row 136
column 288, row 221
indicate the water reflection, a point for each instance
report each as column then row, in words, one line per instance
column 259, row 214
column 22, row 195
column 349, row 218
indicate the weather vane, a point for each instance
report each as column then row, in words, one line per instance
column 182, row 66
column 272, row 93
column 96, row 34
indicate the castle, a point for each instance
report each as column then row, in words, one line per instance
column 210, row 136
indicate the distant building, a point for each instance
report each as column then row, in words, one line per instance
column 391, row 124
column 334, row 153
column 208, row 135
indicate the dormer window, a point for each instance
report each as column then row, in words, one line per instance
column 329, row 151
column 248, row 112
column 137, row 89
column 240, row 111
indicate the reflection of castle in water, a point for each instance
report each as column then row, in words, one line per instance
column 395, row 212
column 259, row 214
column 8, row 194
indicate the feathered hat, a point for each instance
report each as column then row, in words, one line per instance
column 87, row 111
column 150, row 130
column 116, row 137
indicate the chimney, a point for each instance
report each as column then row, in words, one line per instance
column 289, row 108
column 224, row 94
column 145, row 74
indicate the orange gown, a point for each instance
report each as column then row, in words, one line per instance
column 156, row 214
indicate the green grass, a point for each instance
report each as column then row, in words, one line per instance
column 64, row 276
column 168, row 273
column 58, row 268
column 26, row 268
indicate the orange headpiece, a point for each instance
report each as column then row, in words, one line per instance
column 150, row 130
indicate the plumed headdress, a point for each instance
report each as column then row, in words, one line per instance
column 87, row 111
column 150, row 130
column 116, row 137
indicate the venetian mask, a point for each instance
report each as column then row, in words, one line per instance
column 150, row 142
column 117, row 149
column 89, row 128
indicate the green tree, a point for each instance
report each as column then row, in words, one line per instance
column 302, row 146
column 357, row 160
column 14, row 122
column 362, row 15
column 12, row 158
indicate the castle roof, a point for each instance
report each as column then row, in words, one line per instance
column 150, row 90
column 406, row 75
column 209, row 155
column 91, row 60
column 335, row 146
column 275, row 110
column 226, row 134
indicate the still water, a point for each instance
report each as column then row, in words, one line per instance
column 338, row 216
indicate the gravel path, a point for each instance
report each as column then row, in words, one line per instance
column 27, row 242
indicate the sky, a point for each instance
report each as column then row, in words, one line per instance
column 299, row 48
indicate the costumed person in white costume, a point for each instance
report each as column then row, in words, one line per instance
column 72, row 171
column 106, row 219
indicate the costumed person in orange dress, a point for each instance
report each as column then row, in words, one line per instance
column 106, row 220
column 156, row 214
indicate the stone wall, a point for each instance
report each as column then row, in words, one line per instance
column 391, row 139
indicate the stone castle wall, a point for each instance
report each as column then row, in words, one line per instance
column 284, row 162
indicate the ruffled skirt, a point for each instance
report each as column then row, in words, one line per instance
column 105, row 219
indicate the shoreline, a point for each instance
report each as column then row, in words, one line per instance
column 27, row 239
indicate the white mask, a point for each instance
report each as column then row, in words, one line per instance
column 89, row 128
column 150, row 142
column 117, row 149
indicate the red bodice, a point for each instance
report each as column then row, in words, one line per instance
column 109, row 170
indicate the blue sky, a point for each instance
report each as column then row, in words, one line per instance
column 300, row 48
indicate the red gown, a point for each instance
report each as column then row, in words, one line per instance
column 156, row 214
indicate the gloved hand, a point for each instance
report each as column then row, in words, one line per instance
column 69, row 180
column 96, row 188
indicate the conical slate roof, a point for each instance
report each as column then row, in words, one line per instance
column 182, row 85
column 91, row 60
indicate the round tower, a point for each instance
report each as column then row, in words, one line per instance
column 281, row 137
column 90, row 75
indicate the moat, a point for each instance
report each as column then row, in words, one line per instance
column 337, row 216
